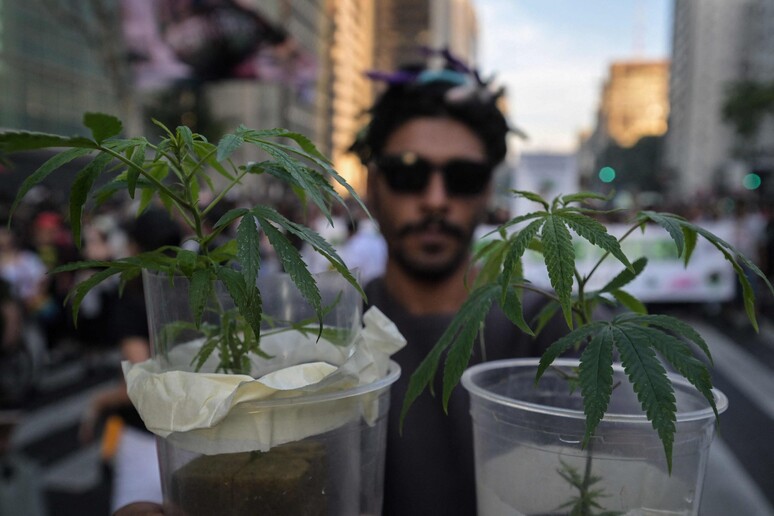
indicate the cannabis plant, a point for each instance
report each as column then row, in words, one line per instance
column 641, row 341
column 173, row 172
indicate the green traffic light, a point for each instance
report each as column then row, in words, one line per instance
column 751, row 181
column 607, row 174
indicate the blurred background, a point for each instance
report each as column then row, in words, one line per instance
column 663, row 104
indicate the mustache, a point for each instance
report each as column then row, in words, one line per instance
column 435, row 223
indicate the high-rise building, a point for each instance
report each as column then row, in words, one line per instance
column 49, row 73
column 635, row 101
column 404, row 26
column 715, row 43
column 351, row 54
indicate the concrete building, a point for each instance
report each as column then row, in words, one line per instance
column 635, row 101
column 715, row 43
column 49, row 74
column 403, row 26
column 350, row 94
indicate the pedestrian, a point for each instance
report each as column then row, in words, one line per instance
column 134, row 463
column 433, row 142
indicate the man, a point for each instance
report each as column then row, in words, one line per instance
column 431, row 147
column 434, row 139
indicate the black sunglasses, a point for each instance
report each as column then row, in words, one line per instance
column 410, row 173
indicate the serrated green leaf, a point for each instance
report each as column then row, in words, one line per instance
column 79, row 192
column 583, row 197
column 671, row 223
column 81, row 265
column 81, row 289
column 519, row 219
column 204, row 353
column 729, row 252
column 626, row 276
column 560, row 261
column 517, row 245
column 200, row 290
column 531, row 196
column 102, row 126
column 186, row 138
column 488, row 260
column 15, row 141
column 208, row 152
column 312, row 238
column 164, row 128
column 675, row 326
column 293, row 264
column 423, row 375
column 301, row 176
column 690, row 244
column 650, row 383
column 594, row 232
column 246, row 298
column 559, row 346
column 227, row 145
column 248, row 249
column 735, row 257
column 470, row 323
column 595, row 375
column 679, row 355
column 629, row 301
column 133, row 173
column 230, row 216
column 513, row 309
column 187, row 261
column 224, row 253
column 306, row 145
column 51, row 165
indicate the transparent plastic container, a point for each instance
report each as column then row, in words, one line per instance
column 528, row 454
column 336, row 471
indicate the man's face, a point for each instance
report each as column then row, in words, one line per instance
column 429, row 231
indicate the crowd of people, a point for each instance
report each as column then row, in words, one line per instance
column 412, row 259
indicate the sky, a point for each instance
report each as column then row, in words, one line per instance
column 553, row 57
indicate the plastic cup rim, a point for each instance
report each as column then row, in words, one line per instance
column 721, row 401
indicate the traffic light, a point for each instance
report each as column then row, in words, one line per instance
column 606, row 174
column 751, row 181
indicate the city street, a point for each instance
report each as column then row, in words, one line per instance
column 740, row 477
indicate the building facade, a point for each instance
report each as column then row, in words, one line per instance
column 715, row 44
column 49, row 74
column 635, row 101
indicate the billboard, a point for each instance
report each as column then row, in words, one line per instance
column 168, row 41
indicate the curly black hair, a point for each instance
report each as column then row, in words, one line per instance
column 474, row 105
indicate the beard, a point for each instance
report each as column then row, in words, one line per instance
column 436, row 271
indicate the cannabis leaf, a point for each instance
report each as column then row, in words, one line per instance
column 173, row 173
column 644, row 344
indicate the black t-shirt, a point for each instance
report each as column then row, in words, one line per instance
column 429, row 468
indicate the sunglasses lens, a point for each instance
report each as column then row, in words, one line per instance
column 410, row 174
column 464, row 177
column 403, row 175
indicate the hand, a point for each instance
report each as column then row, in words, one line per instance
column 140, row 509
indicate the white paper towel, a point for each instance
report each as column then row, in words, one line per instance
column 212, row 413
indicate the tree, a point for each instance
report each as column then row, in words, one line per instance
column 746, row 104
